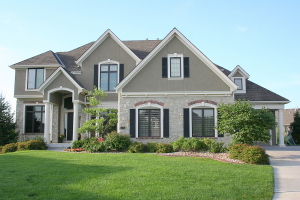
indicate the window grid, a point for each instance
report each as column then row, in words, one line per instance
column 203, row 122
column 149, row 122
column 35, row 78
column 108, row 76
column 34, row 119
column 175, row 67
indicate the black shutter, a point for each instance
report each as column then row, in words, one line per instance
column 96, row 75
column 166, row 123
column 186, row 69
column 186, row 122
column 132, row 123
column 165, row 67
column 121, row 73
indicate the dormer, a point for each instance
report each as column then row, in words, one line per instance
column 239, row 77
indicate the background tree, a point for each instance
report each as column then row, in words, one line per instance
column 296, row 127
column 8, row 132
column 245, row 123
column 105, row 120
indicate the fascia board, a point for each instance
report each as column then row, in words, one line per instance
column 269, row 102
column 100, row 40
column 28, row 66
column 241, row 69
column 183, row 39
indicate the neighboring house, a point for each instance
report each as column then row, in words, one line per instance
column 288, row 118
column 163, row 89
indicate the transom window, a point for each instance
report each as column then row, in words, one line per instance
column 35, row 78
column 108, row 76
column 203, row 122
column 149, row 122
column 239, row 83
column 175, row 67
column 34, row 119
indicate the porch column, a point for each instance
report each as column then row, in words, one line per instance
column 75, row 120
column 47, row 123
column 281, row 132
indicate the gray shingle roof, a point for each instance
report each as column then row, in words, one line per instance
column 47, row 58
column 141, row 48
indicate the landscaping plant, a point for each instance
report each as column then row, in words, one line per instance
column 296, row 127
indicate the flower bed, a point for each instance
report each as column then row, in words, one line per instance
column 74, row 150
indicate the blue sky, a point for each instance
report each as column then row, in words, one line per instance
column 262, row 36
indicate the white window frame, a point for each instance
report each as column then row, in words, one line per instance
column 149, row 106
column 108, row 62
column 26, row 79
column 202, row 105
column 243, row 90
column 175, row 55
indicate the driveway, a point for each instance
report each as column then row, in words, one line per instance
column 286, row 165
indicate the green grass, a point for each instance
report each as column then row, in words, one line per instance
column 60, row 175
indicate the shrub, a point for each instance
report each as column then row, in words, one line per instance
column 80, row 143
column 164, row 148
column 177, row 145
column 255, row 155
column 36, row 145
column 193, row 144
column 22, row 146
column 137, row 147
column 236, row 150
column 1, row 149
column 151, row 147
column 95, row 146
column 12, row 147
column 214, row 146
column 117, row 141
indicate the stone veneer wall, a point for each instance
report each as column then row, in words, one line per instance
column 20, row 117
column 175, row 104
column 55, row 124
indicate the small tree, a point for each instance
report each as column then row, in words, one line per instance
column 8, row 132
column 105, row 119
column 245, row 123
column 296, row 127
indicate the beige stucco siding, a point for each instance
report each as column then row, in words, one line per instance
column 202, row 78
column 61, row 80
column 49, row 72
column 238, row 74
column 108, row 49
column 20, row 83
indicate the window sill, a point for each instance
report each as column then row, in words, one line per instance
column 149, row 138
column 175, row 79
column 33, row 133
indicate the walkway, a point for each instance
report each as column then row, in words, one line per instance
column 286, row 165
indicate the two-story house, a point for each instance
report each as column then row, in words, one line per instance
column 163, row 89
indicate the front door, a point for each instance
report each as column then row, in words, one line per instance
column 70, row 126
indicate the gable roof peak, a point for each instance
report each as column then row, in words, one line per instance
column 239, row 68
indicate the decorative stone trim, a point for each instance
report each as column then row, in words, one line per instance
column 145, row 102
column 205, row 101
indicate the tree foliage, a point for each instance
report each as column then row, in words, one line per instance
column 8, row 132
column 105, row 119
column 244, row 123
column 296, row 127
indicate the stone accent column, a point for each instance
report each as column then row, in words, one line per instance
column 281, row 132
column 75, row 120
column 47, row 123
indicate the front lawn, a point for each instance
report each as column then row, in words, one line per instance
column 61, row 175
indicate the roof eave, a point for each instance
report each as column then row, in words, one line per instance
column 28, row 66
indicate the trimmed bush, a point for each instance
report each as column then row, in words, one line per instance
column 1, row 149
column 137, row 147
column 151, row 147
column 236, row 150
column 22, row 146
column 177, row 145
column 12, row 147
column 80, row 143
column 193, row 144
column 117, row 141
column 36, row 145
column 95, row 146
column 214, row 146
column 255, row 155
column 164, row 148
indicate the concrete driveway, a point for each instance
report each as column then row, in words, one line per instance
column 286, row 165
